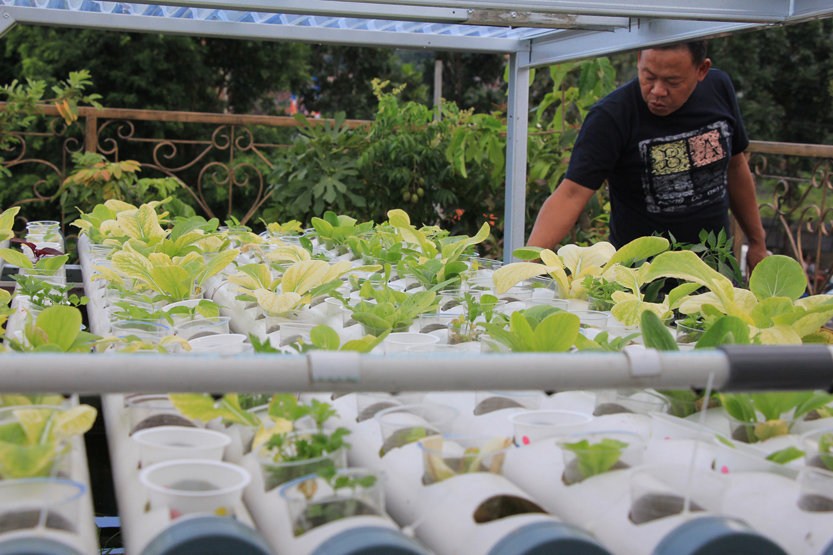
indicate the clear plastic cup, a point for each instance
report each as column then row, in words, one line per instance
column 816, row 490
column 451, row 455
column 439, row 349
column 311, row 501
column 368, row 404
column 167, row 443
column 435, row 321
column 146, row 331
column 203, row 327
column 592, row 319
column 152, row 410
column 40, row 502
column 231, row 343
column 274, row 322
column 191, row 486
column 398, row 342
column 533, row 426
column 409, row 423
column 518, row 293
column 17, row 418
column 812, row 444
column 583, row 452
column 55, row 277
column 686, row 335
column 658, row 491
column 278, row 472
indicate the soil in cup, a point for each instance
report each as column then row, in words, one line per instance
column 813, row 503
column 433, row 327
column 370, row 412
column 654, row 506
column 30, row 518
column 404, row 436
column 610, row 408
column 163, row 420
column 572, row 474
column 495, row 403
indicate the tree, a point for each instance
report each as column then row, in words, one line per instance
column 470, row 80
column 157, row 72
column 342, row 80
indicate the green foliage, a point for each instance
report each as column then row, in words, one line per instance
column 199, row 406
column 57, row 329
column 321, row 169
column 385, row 316
column 826, row 450
column 786, row 455
column 538, row 329
column 44, row 294
column 596, row 458
column 716, row 251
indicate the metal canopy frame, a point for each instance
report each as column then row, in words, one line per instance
column 533, row 32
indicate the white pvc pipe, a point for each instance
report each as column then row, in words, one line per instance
column 118, row 373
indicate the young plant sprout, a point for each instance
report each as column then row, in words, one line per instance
column 593, row 459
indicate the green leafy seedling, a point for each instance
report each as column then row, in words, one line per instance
column 596, row 458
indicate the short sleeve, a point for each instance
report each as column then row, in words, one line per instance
column 596, row 150
column 740, row 142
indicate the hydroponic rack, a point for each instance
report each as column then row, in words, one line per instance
column 533, row 32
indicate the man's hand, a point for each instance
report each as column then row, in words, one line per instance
column 753, row 256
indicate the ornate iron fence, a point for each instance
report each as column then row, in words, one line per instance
column 796, row 192
column 221, row 160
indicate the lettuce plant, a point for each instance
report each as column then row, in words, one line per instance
column 594, row 459
column 57, row 329
column 778, row 411
column 595, row 260
column 448, row 249
column 334, row 230
column 322, row 338
column 7, row 222
column 826, row 450
column 555, row 332
column 32, row 442
column 383, row 317
column 771, row 308
column 46, row 259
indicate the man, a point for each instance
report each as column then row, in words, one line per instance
column 670, row 144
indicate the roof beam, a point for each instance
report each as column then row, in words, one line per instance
column 326, row 8
column 564, row 46
column 258, row 31
column 525, row 18
column 759, row 11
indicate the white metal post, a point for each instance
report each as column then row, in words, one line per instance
column 517, row 122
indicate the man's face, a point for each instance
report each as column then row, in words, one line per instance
column 668, row 77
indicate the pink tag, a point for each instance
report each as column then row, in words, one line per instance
column 667, row 437
column 525, row 440
column 724, row 469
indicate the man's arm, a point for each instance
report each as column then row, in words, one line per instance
column 559, row 213
column 743, row 202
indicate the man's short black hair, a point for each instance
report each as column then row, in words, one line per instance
column 697, row 49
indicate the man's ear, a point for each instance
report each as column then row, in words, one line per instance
column 704, row 69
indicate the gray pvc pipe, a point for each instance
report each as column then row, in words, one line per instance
column 341, row 371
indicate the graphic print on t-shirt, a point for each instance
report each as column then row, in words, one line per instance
column 687, row 170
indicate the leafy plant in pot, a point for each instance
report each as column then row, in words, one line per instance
column 48, row 265
column 300, row 450
column 778, row 410
column 34, row 438
column 57, row 329
column 332, row 495
column 464, row 328
column 382, row 317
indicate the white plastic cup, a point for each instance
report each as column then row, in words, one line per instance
column 230, row 343
column 661, row 490
column 191, row 486
column 51, row 502
column 169, row 443
column 434, row 418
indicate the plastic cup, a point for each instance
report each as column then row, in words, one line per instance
column 40, row 502
column 686, row 335
column 536, row 425
column 274, row 322
column 230, row 343
column 166, row 443
column 292, row 332
column 435, row 321
column 658, row 491
column 203, row 327
column 451, row 455
column 56, row 277
column 310, row 510
column 15, row 416
column 595, row 303
column 150, row 411
column 333, row 306
column 146, row 331
column 517, row 293
column 368, row 404
column 190, row 486
column 408, row 423
column 811, row 443
column 397, row 342
column 592, row 319
column 816, row 490
column 637, row 401
column 276, row 473
column 622, row 450
column 452, row 299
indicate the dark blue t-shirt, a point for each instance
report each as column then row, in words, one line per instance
column 665, row 173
